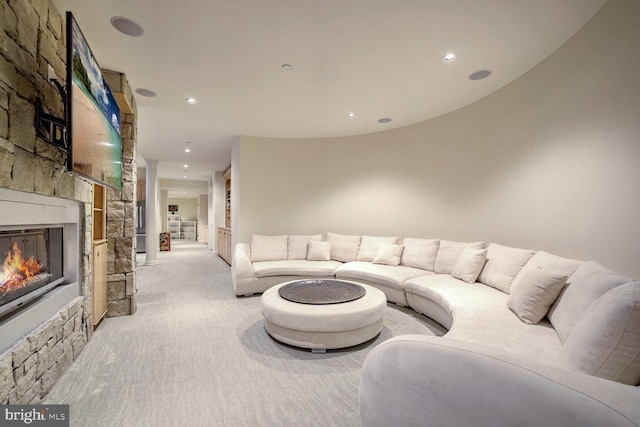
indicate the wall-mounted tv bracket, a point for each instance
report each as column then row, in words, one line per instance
column 50, row 128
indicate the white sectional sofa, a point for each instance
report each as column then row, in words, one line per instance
column 533, row 338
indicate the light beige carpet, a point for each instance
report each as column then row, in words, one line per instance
column 195, row 355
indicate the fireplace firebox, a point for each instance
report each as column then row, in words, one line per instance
column 33, row 264
column 40, row 257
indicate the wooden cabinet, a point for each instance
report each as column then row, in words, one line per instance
column 99, row 213
column 225, row 251
column 99, row 255
column 99, row 292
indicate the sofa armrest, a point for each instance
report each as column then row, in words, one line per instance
column 438, row 381
column 241, row 268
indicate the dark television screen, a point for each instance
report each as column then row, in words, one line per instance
column 93, row 114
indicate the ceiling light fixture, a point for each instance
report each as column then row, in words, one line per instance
column 187, row 150
column 450, row 57
column 191, row 101
column 186, row 166
column 127, row 26
column 286, row 67
column 146, row 92
column 479, row 75
column 351, row 115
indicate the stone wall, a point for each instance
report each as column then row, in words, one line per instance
column 30, row 369
column 121, row 208
column 32, row 37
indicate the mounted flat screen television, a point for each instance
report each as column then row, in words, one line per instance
column 93, row 115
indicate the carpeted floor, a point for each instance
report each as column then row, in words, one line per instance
column 195, row 355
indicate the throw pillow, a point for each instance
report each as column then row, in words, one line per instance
column 533, row 292
column 318, row 251
column 503, row 265
column 590, row 281
column 344, row 247
column 420, row 253
column 268, row 248
column 389, row 254
column 297, row 246
column 449, row 252
column 469, row 264
column 605, row 341
column 369, row 246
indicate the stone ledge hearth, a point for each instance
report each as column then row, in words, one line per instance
column 30, row 369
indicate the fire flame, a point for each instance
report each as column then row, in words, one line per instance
column 18, row 270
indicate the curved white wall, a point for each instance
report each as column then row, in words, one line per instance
column 551, row 162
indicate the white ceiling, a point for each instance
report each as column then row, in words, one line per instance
column 375, row 58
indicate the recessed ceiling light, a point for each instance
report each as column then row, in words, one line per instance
column 479, row 75
column 127, row 26
column 351, row 115
column 384, row 120
column 146, row 92
column 450, row 57
column 186, row 166
column 185, row 177
column 187, row 150
column 191, row 101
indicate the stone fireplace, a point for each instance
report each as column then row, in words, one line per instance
column 40, row 337
column 40, row 234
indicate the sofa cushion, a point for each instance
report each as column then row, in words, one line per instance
column 370, row 245
column 449, row 292
column 533, row 292
column 389, row 254
column 393, row 276
column 344, row 247
column 420, row 253
column 606, row 340
column 295, row 268
column 546, row 261
column 503, row 265
column 449, row 252
column 268, row 248
column 590, row 281
column 318, row 251
column 469, row 264
column 500, row 328
column 297, row 245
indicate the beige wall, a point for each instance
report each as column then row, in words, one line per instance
column 187, row 208
column 550, row 162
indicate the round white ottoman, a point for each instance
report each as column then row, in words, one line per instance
column 321, row 327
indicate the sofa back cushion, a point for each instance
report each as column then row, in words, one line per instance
column 589, row 282
column 420, row 253
column 268, row 248
column 503, row 265
column 370, row 245
column 606, row 340
column 344, row 247
column 297, row 245
column 449, row 252
column 545, row 261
